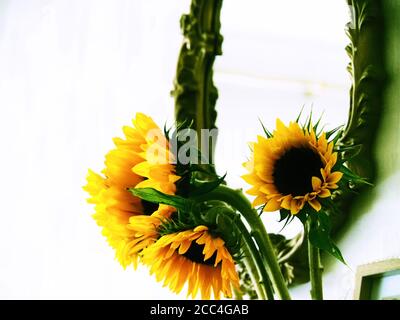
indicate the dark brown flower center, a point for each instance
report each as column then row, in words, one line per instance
column 294, row 169
column 195, row 254
column 149, row 207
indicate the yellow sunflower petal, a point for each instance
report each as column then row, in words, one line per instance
column 260, row 200
column 185, row 245
column 322, row 143
column 324, row 193
column 272, row 205
column 296, row 205
column 252, row 179
column 316, row 183
column 286, row 201
column 280, row 126
column 268, row 188
column 255, row 191
column 334, row 177
column 142, row 169
column 315, row 204
column 200, row 229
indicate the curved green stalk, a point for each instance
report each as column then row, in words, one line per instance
column 366, row 52
column 237, row 200
column 194, row 91
column 250, row 250
column 253, row 272
column 253, row 261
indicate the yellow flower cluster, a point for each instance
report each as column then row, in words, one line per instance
column 143, row 160
column 132, row 165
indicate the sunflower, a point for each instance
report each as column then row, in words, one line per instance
column 148, row 142
column 195, row 257
column 292, row 167
column 117, row 210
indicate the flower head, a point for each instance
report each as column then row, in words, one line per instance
column 194, row 257
column 141, row 159
column 291, row 168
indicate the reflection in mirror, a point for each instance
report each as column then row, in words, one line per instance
column 278, row 56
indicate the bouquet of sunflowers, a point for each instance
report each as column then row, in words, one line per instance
column 160, row 202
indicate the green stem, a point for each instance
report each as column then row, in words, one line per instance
column 253, row 272
column 237, row 294
column 316, row 268
column 250, row 250
column 265, row 245
column 253, row 261
column 236, row 199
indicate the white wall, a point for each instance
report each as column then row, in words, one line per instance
column 71, row 74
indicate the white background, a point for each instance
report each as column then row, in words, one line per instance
column 72, row 73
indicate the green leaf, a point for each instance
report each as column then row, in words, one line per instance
column 315, row 128
column 350, row 175
column 205, row 187
column 167, row 131
column 354, row 147
column 152, row 195
column 303, row 214
column 320, row 239
column 284, row 214
column 350, row 151
column 300, row 113
column 324, row 221
column 308, row 120
column 332, row 132
column 266, row 131
column 289, row 219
